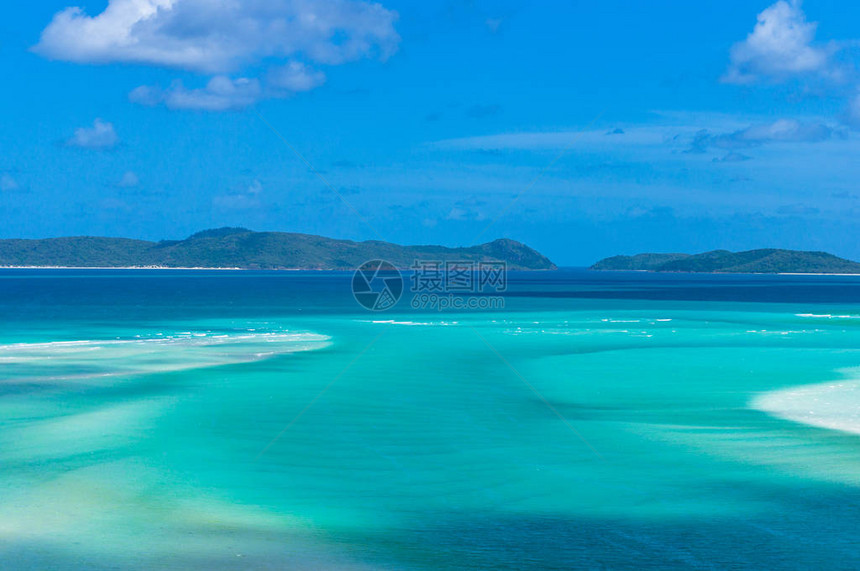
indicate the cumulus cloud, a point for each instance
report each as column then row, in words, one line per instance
column 779, row 47
column 220, row 38
column 220, row 94
column 8, row 183
column 782, row 47
column 100, row 136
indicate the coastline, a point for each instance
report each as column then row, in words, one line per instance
column 733, row 273
column 810, row 274
column 112, row 268
column 232, row 269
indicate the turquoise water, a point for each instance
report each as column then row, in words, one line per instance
column 264, row 420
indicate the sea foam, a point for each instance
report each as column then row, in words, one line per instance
column 162, row 352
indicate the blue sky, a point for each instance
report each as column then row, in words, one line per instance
column 622, row 127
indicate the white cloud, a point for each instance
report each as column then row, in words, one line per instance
column 221, row 37
column 782, row 47
column 100, row 136
column 7, row 183
column 779, row 47
column 129, row 180
column 294, row 77
column 220, row 94
column 217, row 36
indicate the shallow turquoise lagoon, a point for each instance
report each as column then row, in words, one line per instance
column 265, row 420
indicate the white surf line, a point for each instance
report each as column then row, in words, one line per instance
column 123, row 357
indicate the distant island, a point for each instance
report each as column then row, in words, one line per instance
column 767, row 261
column 244, row 249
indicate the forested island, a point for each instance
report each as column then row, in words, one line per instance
column 764, row 261
column 245, row 249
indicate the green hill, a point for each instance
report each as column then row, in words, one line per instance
column 766, row 261
column 242, row 248
column 639, row 262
